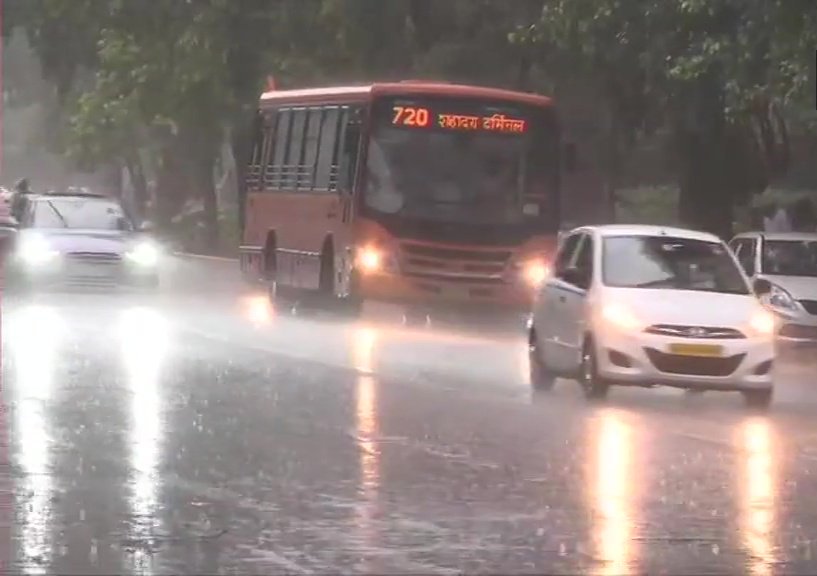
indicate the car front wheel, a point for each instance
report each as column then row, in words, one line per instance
column 541, row 378
column 593, row 386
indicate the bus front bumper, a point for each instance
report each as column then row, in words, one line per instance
column 408, row 290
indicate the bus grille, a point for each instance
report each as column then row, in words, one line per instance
column 454, row 265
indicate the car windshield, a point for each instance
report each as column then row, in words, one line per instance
column 667, row 262
column 790, row 258
column 480, row 165
column 79, row 213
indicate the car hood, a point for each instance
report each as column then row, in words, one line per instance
column 684, row 307
column 102, row 241
column 800, row 287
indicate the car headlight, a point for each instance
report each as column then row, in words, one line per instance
column 620, row 317
column 763, row 323
column 35, row 250
column 779, row 299
column 144, row 254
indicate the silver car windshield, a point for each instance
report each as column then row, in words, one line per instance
column 80, row 214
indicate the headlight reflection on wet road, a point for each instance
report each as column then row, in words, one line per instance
column 35, row 335
column 611, row 490
column 257, row 309
column 144, row 337
column 364, row 340
column 758, row 482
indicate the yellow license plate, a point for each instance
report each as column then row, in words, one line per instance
column 700, row 350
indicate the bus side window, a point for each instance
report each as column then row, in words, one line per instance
column 297, row 135
column 255, row 166
column 275, row 169
column 326, row 170
column 349, row 153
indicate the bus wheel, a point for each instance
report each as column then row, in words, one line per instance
column 270, row 270
column 351, row 303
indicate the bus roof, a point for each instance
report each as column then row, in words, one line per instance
column 342, row 94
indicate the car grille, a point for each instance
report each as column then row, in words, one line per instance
column 810, row 306
column 693, row 366
column 92, row 269
column 702, row 332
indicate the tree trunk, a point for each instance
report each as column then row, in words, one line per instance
column 707, row 194
column 171, row 187
column 140, row 185
column 206, row 187
column 704, row 147
column 242, row 143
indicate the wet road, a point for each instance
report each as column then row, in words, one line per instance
column 198, row 431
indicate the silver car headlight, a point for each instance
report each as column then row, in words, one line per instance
column 35, row 251
column 144, row 254
column 780, row 300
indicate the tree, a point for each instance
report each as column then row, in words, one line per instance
column 715, row 72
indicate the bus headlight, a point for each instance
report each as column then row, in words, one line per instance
column 373, row 259
column 369, row 259
column 535, row 273
column 144, row 254
column 35, row 250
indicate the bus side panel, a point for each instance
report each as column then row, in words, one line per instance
column 301, row 222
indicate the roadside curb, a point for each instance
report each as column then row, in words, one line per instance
column 205, row 257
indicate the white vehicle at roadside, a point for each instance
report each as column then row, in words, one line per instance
column 783, row 266
column 648, row 305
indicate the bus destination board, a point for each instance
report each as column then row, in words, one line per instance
column 423, row 117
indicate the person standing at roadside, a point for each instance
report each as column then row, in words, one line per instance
column 777, row 219
column 802, row 216
column 20, row 198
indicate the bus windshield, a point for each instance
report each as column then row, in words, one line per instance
column 455, row 161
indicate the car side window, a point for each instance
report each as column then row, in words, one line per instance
column 565, row 254
column 584, row 261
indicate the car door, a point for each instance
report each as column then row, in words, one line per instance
column 571, row 302
column 551, row 320
column 545, row 313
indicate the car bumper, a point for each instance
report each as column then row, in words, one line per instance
column 434, row 291
column 646, row 359
column 797, row 330
column 65, row 274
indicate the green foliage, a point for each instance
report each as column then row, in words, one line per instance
column 167, row 82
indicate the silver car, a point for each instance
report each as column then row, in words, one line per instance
column 784, row 268
column 82, row 240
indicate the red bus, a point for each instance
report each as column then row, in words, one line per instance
column 408, row 192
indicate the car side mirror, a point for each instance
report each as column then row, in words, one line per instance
column 762, row 286
column 570, row 157
column 577, row 277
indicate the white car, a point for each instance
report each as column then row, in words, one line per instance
column 645, row 306
column 783, row 266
